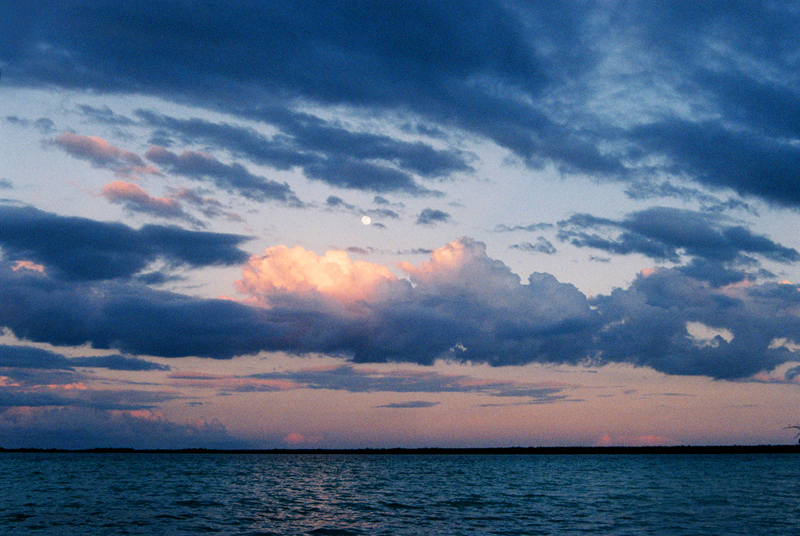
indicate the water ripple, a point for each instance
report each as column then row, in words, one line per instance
column 351, row 495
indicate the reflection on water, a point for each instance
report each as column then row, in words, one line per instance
column 282, row 494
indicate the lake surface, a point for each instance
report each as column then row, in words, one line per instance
column 327, row 494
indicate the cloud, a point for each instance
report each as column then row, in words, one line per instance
column 84, row 428
column 233, row 384
column 30, row 357
column 648, row 324
column 650, row 189
column 134, row 198
column 748, row 162
column 324, row 151
column 377, row 318
column 210, row 207
column 296, row 438
column 229, row 177
column 41, row 388
column 355, row 379
column 557, row 83
column 633, row 441
column 663, row 233
column 461, row 305
column 103, row 155
column 410, row 404
column 430, row 216
column 117, row 362
column 105, row 115
column 365, row 176
column 83, row 249
column 139, row 321
column 335, row 201
column 503, row 228
column 474, row 67
column 681, row 90
column 283, row 271
column 36, row 358
column 28, row 265
column 542, row 246
column 43, row 124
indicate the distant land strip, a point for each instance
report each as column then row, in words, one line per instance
column 682, row 449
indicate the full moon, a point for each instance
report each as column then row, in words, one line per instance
column 366, row 220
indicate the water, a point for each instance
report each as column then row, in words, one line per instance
column 308, row 494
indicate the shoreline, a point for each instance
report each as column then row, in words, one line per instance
column 614, row 450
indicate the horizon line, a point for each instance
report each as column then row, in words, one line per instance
column 610, row 449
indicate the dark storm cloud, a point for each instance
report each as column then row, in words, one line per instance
column 663, row 233
column 476, row 66
column 462, row 306
column 83, row 249
column 30, row 357
column 12, row 398
column 432, row 322
column 529, row 76
column 75, row 427
column 139, row 321
column 37, row 358
column 647, row 325
column 76, row 395
column 6, row 184
column 747, row 162
column 771, row 107
column 116, row 362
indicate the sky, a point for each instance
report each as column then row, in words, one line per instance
column 299, row 224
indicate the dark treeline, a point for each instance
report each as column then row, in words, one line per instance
column 682, row 449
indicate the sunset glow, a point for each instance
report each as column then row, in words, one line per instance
column 313, row 225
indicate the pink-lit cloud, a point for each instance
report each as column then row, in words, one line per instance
column 135, row 198
column 296, row 438
column 78, row 386
column 28, row 265
column 5, row 381
column 281, row 271
column 104, row 155
column 645, row 440
column 462, row 304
